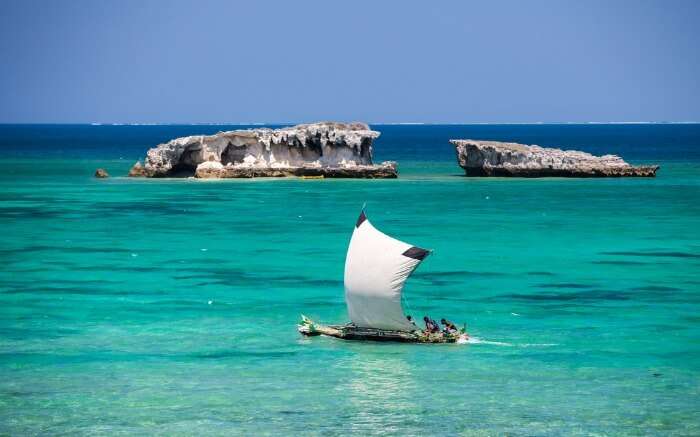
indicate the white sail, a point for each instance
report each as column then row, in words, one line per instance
column 376, row 269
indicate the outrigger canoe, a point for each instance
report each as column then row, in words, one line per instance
column 376, row 268
column 350, row 332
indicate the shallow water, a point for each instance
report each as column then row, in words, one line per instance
column 169, row 306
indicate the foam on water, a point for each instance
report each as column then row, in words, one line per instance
column 475, row 340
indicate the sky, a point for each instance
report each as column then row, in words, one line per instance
column 373, row 61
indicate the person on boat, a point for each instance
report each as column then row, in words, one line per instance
column 450, row 327
column 436, row 327
column 410, row 319
column 430, row 325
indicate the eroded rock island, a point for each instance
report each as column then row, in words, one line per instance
column 328, row 149
column 494, row 158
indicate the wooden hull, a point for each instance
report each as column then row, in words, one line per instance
column 350, row 332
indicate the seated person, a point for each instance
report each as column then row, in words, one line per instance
column 430, row 325
column 450, row 327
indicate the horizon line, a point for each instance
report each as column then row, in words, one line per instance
column 289, row 123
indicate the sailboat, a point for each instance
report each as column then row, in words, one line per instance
column 376, row 269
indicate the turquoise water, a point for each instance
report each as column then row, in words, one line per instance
column 169, row 306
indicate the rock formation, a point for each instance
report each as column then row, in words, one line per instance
column 494, row 158
column 337, row 150
column 101, row 173
column 137, row 170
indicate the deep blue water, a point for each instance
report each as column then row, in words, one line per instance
column 397, row 142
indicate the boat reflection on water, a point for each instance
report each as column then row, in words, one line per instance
column 381, row 393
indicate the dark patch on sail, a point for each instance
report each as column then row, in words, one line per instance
column 416, row 253
column 361, row 219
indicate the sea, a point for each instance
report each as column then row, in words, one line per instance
column 169, row 307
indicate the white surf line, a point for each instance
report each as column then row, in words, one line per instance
column 476, row 340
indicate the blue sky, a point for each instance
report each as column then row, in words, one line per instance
column 375, row 61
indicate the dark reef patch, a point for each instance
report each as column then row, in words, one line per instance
column 541, row 274
column 147, row 208
column 452, row 277
column 621, row 263
column 14, row 333
column 564, row 285
column 28, row 213
column 656, row 288
column 456, row 274
column 240, row 354
column 240, row 277
column 64, row 249
column 650, row 293
column 661, row 254
column 91, row 291
column 291, row 412
column 108, row 268
column 583, row 296
column 203, row 261
column 324, row 282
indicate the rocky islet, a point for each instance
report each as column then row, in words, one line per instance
column 344, row 150
column 328, row 149
column 495, row 158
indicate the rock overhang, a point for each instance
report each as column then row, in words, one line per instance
column 340, row 149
